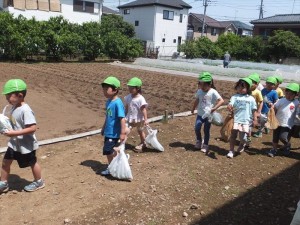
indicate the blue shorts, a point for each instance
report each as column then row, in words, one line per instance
column 24, row 160
column 109, row 144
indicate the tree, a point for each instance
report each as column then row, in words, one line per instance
column 250, row 49
column 229, row 42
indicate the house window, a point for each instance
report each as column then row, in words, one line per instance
column 82, row 6
column 163, row 40
column 174, row 40
column 126, row 11
column 168, row 15
column 200, row 29
column 136, row 23
column 213, row 31
column 180, row 18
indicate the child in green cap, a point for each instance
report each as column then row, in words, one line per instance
column 114, row 127
column 23, row 144
column 243, row 107
column 136, row 110
column 207, row 97
column 285, row 109
column 277, row 88
column 270, row 97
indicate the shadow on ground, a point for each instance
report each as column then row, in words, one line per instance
column 270, row 203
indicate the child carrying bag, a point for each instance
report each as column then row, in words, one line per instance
column 272, row 122
column 151, row 140
column 5, row 124
column 227, row 128
column 119, row 166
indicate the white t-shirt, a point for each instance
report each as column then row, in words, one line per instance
column 20, row 117
column 134, row 114
column 286, row 112
column 206, row 99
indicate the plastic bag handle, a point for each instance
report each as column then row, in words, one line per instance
column 4, row 109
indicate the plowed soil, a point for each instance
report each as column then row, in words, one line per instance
column 177, row 186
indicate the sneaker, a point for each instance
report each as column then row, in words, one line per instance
column 267, row 130
column 105, row 172
column 241, row 148
column 35, row 185
column 198, row 145
column 272, row 153
column 3, row 187
column 230, row 154
column 286, row 150
column 258, row 134
column 140, row 147
column 204, row 148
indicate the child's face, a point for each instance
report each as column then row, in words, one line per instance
column 133, row 90
column 109, row 92
column 14, row 98
column 203, row 86
column 290, row 95
column 270, row 86
column 241, row 88
column 254, row 85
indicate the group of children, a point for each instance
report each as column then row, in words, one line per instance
column 249, row 106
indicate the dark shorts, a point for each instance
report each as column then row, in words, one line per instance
column 24, row 160
column 281, row 134
column 295, row 131
column 109, row 144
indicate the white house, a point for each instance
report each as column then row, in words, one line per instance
column 161, row 24
column 75, row 11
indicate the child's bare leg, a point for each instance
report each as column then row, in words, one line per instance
column 111, row 156
column 5, row 169
column 36, row 171
column 142, row 135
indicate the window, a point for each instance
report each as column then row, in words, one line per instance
column 136, row 23
column 180, row 18
column 174, row 40
column 168, row 15
column 163, row 40
column 213, row 31
column 126, row 11
column 82, row 6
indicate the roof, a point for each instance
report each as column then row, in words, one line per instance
column 282, row 19
column 238, row 24
column 178, row 4
column 106, row 10
column 208, row 20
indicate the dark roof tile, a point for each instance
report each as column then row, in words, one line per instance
column 170, row 3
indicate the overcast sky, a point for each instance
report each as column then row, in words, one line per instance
column 242, row 10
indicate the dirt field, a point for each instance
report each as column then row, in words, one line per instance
column 178, row 186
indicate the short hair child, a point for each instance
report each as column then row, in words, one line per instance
column 114, row 127
column 23, row 144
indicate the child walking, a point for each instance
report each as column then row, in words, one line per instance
column 114, row 127
column 277, row 88
column 270, row 96
column 243, row 106
column 206, row 97
column 285, row 109
column 23, row 144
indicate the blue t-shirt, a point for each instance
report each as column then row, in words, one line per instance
column 268, row 96
column 114, row 112
column 243, row 107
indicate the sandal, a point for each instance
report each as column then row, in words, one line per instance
column 140, row 148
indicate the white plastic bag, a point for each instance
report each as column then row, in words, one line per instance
column 151, row 140
column 5, row 124
column 217, row 119
column 207, row 113
column 119, row 166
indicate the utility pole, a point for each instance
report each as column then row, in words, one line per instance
column 261, row 11
column 203, row 22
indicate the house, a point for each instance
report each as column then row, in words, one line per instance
column 161, row 24
column 108, row 11
column 214, row 28
column 75, row 11
column 265, row 26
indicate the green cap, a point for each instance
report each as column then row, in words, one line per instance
column 272, row 80
column 279, row 79
column 255, row 77
column 112, row 81
column 205, row 77
column 293, row 87
column 14, row 85
column 247, row 80
column 135, row 82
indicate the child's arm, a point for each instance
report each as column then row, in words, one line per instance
column 220, row 101
column 103, row 126
column 123, row 129
column 29, row 129
column 259, row 108
column 195, row 104
column 144, row 111
column 254, row 118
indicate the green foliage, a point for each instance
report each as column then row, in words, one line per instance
column 283, row 44
column 92, row 44
column 229, row 42
column 112, row 23
column 250, row 49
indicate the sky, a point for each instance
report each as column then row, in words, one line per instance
column 242, row 10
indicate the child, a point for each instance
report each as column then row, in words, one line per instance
column 295, row 131
column 256, row 94
column 114, row 127
column 23, row 144
column 269, row 98
column 277, row 88
column 136, row 109
column 206, row 97
column 243, row 107
column 285, row 109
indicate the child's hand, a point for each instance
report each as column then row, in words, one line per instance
column 230, row 108
column 122, row 137
column 10, row 133
column 146, row 123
